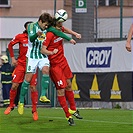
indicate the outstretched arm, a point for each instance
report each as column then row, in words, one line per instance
column 129, row 37
column 59, row 33
column 69, row 31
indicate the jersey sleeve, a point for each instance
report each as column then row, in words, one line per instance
column 14, row 41
column 49, row 37
column 59, row 33
column 32, row 32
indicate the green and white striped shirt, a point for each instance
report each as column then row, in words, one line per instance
column 35, row 42
column 35, row 46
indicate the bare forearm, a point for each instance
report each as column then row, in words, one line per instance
column 69, row 31
column 130, row 33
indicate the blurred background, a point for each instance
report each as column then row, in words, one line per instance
column 96, row 20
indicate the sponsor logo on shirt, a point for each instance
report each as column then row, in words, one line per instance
column 57, row 39
column 42, row 37
column 25, row 45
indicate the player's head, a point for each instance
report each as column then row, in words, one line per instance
column 26, row 26
column 4, row 59
column 57, row 24
column 45, row 20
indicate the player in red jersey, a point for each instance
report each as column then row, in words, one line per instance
column 19, row 72
column 60, row 72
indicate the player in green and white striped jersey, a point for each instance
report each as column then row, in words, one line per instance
column 36, row 34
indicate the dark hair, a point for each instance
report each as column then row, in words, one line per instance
column 25, row 25
column 46, row 17
column 28, row 22
column 54, row 22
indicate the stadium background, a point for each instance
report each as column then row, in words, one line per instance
column 97, row 21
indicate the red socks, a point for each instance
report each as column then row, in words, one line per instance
column 70, row 98
column 34, row 99
column 63, row 103
column 13, row 94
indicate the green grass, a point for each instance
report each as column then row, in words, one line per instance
column 95, row 121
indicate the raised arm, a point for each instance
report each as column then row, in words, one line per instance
column 129, row 37
column 59, row 33
column 69, row 31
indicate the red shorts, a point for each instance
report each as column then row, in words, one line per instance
column 59, row 74
column 19, row 74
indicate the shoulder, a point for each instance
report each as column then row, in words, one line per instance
column 20, row 35
column 63, row 29
column 32, row 25
column 50, row 33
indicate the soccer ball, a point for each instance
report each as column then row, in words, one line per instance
column 61, row 15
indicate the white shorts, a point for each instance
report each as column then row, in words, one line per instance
column 32, row 64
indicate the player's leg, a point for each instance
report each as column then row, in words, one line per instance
column 13, row 93
column 62, row 100
column 60, row 83
column 23, row 92
column 18, row 77
column 30, row 70
column 34, row 96
column 70, row 97
column 69, row 92
column 44, row 67
column 34, row 99
column 17, row 95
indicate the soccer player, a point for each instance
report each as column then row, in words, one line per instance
column 19, row 72
column 60, row 72
column 129, row 37
column 36, row 33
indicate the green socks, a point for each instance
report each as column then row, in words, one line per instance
column 24, row 90
column 44, row 84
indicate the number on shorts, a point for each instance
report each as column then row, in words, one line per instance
column 14, row 76
column 59, row 82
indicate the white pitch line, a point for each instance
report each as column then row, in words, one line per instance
column 85, row 120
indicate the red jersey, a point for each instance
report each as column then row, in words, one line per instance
column 51, row 43
column 22, row 40
column 59, row 68
column 19, row 72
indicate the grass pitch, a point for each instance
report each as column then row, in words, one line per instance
column 53, row 120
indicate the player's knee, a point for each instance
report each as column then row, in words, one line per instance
column 61, row 92
column 45, row 70
column 69, row 86
column 33, row 88
column 14, row 86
